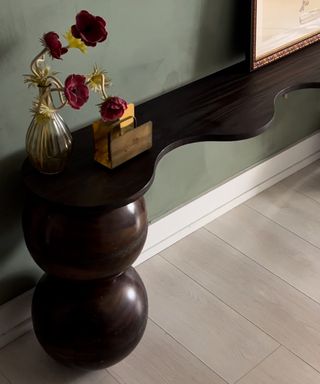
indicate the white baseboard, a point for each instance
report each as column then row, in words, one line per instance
column 15, row 315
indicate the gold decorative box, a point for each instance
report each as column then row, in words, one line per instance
column 121, row 140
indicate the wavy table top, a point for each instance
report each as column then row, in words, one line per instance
column 226, row 106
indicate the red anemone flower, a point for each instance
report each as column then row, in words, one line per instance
column 113, row 108
column 90, row 29
column 52, row 43
column 76, row 90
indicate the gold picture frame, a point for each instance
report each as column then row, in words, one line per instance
column 279, row 28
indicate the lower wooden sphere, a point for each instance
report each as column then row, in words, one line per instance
column 84, row 244
column 90, row 324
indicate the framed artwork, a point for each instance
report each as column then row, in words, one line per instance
column 280, row 27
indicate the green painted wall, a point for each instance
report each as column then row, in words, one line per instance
column 192, row 170
column 154, row 46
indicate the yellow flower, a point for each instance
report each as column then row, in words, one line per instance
column 96, row 79
column 41, row 111
column 75, row 43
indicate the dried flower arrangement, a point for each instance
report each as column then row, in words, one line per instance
column 87, row 31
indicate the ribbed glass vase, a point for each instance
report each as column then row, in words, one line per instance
column 48, row 142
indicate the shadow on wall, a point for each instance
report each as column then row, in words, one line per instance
column 16, row 284
column 11, row 201
column 17, row 274
column 222, row 35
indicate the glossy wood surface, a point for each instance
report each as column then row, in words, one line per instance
column 229, row 105
column 84, row 244
column 90, row 324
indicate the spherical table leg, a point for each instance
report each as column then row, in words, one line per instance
column 90, row 308
column 91, row 324
column 82, row 243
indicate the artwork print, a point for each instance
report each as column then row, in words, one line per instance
column 280, row 27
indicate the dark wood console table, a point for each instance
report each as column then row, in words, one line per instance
column 86, row 226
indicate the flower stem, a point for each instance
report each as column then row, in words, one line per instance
column 61, row 105
column 34, row 66
column 103, row 89
column 59, row 89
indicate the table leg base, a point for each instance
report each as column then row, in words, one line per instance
column 90, row 324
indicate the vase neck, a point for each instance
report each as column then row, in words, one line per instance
column 45, row 96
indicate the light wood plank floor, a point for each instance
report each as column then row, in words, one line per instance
column 238, row 301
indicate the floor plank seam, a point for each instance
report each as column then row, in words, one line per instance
column 264, row 267
column 309, row 197
column 240, row 314
column 187, row 349
column 114, row 377
column 282, row 226
column 257, row 365
column 5, row 377
column 300, row 358
column 218, row 298
column 17, row 338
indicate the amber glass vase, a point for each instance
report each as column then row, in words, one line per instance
column 48, row 140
